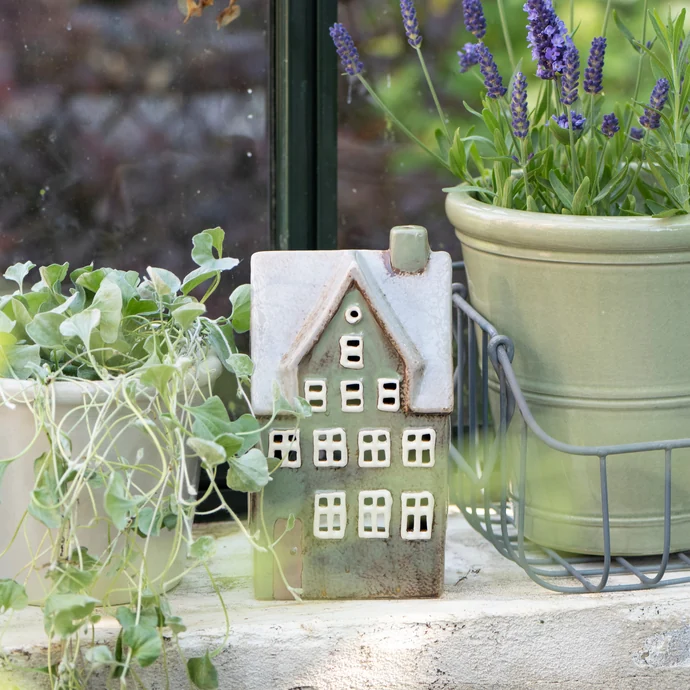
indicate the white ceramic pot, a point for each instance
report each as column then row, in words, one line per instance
column 19, row 436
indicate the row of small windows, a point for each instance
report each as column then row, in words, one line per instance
column 373, row 446
column 417, row 514
column 352, row 395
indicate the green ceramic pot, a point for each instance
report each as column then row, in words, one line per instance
column 599, row 311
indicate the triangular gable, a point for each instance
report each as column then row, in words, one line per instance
column 316, row 323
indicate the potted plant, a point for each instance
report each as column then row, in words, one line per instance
column 573, row 218
column 107, row 416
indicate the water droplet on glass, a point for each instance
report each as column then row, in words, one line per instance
column 250, row 116
column 388, row 80
column 69, row 26
column 354, row 191
column 249, row 154
column 250, row 90
column 349, row 93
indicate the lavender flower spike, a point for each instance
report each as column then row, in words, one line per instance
column 610, row 125
column 571, row 75
column 636, row 133
column 577, row 120
column 411, row 23
column 594, row 74
column 475, row 21
column 346, row 49
column 469, row 58
column 518, row 107
column 652, row 114
column 489, row 70
column 547, row 37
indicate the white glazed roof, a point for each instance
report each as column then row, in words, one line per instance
column 295, row 294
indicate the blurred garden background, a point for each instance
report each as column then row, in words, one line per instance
column 384, row 181
column 125, row 130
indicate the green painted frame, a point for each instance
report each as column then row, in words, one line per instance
column 304, row 125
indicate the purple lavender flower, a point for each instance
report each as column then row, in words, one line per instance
column 489, row 70
column 518, row 107
column 636, row 133
column 475, row 22
column 577, row 120
column 347, row 51
column 411, row 23
column 594, row 74
column 652, row 114
column 570, row 80
column 610, row 125
column 547, row 37
column 469, row 58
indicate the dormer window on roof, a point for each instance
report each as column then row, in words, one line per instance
column 315, row 393
column 352, row 352
column 389, row 395
column 352, row 394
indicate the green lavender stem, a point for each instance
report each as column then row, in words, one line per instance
column 399, row 124
column 430, row 83
column 607, row 15
column 506, row 34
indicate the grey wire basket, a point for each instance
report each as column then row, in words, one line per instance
column 479, row 454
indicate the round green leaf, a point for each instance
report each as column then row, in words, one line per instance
column 12, row 596
column 249, row 472
column 203, row 673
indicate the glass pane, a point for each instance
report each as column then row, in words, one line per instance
column 383, row 180
column 125, row 131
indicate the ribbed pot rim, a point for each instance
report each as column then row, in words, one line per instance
column 551, row 232
column 73, row 392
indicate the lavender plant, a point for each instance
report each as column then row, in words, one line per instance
column 561, row 153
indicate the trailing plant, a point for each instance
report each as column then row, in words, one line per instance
column 142, row 351
column 567, row 153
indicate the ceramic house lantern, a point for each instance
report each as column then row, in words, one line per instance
column 365, row 337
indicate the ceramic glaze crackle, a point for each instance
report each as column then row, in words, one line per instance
column 598, row 310
column 365, row 338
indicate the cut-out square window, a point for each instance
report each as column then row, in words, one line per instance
column 419, row 447
column 417, row 515
column 352, row 394
column 283, row 444
column 330, row 448
column 315, row 393
column 351, row 352
column 330, row 515
column 389, row 395
column 374, row 446
column 375, row 514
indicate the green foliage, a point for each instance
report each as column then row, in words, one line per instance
column 241, row 302
column 64, row 614
column 203, row 673
column 559, row 168
column 150, row 347
column 249, row 472
column 12, row 596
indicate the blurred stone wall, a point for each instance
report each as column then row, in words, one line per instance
column 124, row 131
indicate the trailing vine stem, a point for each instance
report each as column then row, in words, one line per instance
column 140, row 357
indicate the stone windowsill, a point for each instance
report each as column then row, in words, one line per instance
column 493, row 628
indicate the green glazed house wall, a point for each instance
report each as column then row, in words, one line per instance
column 354, row 567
